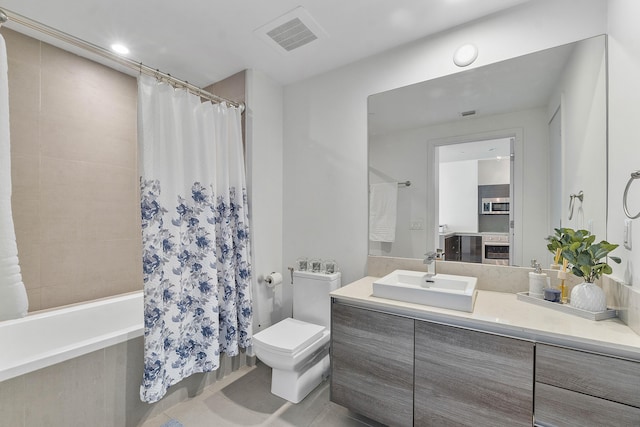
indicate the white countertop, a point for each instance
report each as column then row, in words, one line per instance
column 503, row 313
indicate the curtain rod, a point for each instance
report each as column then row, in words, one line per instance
column 6, row 15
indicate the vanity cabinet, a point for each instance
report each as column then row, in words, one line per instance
column 372, row 363
column 403, row 372
column 578, row 388
column 471, row 378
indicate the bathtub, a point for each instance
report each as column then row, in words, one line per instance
column 49, row 337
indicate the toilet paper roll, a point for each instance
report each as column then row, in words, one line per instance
column 273, row 279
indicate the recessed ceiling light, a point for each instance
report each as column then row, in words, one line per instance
column 120, row 48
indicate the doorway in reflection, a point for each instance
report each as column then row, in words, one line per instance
column 474, row 194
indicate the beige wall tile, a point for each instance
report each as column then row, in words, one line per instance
column 13, row 402
column 70, row 393
column 24, row 88
column 26, row 217
column 96, row 139
column 25, row 133
column 59, row 264
column 74, row 169
column 34, row 297
column 21, row 48
column 25, row 176
column 29, row 259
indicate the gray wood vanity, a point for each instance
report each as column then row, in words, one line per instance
column 403, row 364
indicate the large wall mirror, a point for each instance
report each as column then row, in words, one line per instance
column 484, row 163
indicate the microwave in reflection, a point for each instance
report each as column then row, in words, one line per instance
column 495, row 206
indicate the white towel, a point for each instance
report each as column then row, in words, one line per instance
column 13, row 296
column 383, row 205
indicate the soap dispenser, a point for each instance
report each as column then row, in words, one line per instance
column 537, row 280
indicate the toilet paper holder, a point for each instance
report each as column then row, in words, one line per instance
column 273, row 279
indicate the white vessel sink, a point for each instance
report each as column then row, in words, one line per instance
column 441, row 290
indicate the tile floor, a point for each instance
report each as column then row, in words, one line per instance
column 243, row 399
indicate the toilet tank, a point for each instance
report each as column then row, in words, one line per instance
column 311, row 300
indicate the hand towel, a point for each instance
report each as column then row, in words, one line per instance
column 383, row 205
column 13, row 296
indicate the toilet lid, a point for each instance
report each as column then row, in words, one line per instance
column 289, row 335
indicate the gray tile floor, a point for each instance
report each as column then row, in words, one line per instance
column 244, row 399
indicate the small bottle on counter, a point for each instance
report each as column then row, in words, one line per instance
column 537, row 280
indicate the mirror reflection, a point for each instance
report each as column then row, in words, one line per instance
column 493, row 156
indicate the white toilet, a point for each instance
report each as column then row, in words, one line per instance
column 297, row 349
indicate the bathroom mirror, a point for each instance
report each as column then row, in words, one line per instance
column 549, row 105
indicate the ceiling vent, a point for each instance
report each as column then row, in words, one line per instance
column 291, row 30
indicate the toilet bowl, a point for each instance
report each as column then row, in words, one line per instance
column 297, row 349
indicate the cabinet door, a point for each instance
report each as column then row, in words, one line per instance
column 372, row 364
column 596, row 375
column 471, row 249
column 556, row 406
column 452, row 248
column 468, row 378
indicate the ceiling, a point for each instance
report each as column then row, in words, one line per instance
column 204, row 41
column 517, row 84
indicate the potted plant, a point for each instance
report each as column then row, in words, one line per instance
column 586, row 260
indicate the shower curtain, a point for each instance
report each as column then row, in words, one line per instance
column 195, row 229
column 13, row 296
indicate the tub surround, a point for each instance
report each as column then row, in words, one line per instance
column 503, row 313
column 97, row 345
column 53, row 336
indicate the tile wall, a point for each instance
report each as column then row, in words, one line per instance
column 74, row 172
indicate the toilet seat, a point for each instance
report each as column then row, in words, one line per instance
column 289, row 336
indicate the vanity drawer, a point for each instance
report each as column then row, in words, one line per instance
column 601, row 376
column 559, row 407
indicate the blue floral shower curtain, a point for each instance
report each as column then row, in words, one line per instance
column 195, row 234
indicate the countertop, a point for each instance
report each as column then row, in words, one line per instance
column 472, row 233
column 502, row 313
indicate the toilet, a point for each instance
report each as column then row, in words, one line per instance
column 297, row 348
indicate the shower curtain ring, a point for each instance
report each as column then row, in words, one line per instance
column 634, row 175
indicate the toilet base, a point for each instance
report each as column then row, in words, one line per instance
column 295, row 386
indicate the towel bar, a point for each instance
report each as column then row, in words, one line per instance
column 634, row 175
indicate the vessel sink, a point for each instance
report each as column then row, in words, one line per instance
column 442, row 290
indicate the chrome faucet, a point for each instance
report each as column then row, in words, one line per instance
column 430, row 261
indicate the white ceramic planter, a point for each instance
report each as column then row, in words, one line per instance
column 588, row 296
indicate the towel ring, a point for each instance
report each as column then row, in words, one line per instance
column 634, row 175
column 572, row 201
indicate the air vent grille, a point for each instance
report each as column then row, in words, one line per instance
column 292, row 35
column 291, row 31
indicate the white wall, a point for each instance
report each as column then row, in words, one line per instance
column 624, row 132
column 399, row 157
column 264, row 180
column 325, row 123
column 582, row 90
column 458, row 193
column 494, row 172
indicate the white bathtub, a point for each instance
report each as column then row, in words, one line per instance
column 43, row 339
